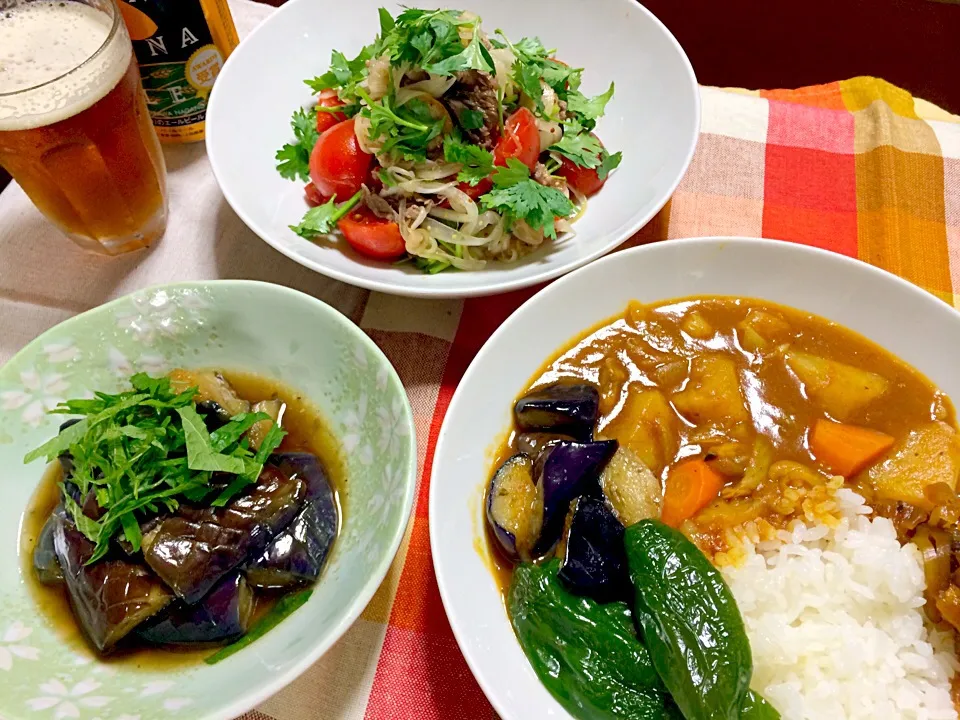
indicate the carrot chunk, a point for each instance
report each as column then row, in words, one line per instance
column 691, row 485
column 847, row 449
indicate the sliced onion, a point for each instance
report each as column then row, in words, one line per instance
column 361, row 128
column 435, row 171
column 450, row 235
column 550, row 132
column 435, row 85
column 527, row 234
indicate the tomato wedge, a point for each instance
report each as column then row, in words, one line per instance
column 326, row 120
column 583, row 179
column 372, row 236
column 520, row 140
column 313, row 195
column 338, row 167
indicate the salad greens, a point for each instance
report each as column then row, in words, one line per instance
column 146, row 450
column 409, row 130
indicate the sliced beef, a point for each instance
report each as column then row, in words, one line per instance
column 476, row 90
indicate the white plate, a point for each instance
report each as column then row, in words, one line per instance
column 654, row 118
column 901, row 317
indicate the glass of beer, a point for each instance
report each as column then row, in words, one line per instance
column 74, row 127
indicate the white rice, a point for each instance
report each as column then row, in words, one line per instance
column 836, row 622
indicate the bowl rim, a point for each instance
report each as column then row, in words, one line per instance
column 446, row 578
column 277, row 682
column 213, row 121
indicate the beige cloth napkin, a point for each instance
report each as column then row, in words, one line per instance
column 45, row 279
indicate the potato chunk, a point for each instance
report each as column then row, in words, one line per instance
column 713, row 397
column 839, row 388
column 930, row 454
column 646, row 425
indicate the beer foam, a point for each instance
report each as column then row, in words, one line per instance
column 41, row 41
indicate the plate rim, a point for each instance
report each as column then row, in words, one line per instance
column 279, row 681
column 432, row 292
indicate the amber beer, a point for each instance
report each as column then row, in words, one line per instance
column 74, row 128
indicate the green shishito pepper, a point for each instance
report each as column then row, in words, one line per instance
column 691, row 626
column 586, row 654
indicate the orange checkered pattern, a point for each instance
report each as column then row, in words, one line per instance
column 858, row 167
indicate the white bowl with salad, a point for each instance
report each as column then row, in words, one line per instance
column 452, row 152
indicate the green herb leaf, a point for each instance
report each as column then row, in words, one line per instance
column 386, row 21
column 477, row 162
column 515, row 172
column 527, row 200
column 610, row 162
column 470, row 119
column 285, row 607
column 200, row 453
column 230, row 433
column 293, row 159
column 527, row 78
column 322, row 219
column 589, row 108
column 473, row 57
column 131, row 530
column 583, row 149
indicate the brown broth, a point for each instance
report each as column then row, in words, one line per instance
column 307, row 431
column 621, row 357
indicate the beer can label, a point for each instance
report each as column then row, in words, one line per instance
column 178, row 65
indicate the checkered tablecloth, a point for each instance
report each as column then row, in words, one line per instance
column 859, row 167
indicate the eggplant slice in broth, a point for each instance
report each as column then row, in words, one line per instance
column 565, row 471
column 192, row 550
column 110, row 598
column 565, row 408
column 515, row 507
column 595, row 561
column 298, row 553
column 223, row 615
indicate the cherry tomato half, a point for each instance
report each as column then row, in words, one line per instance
column 338, row 167
column 520, row 140
column 475, row 191
column 372, row 236
column 583, row 179
column 326, row 120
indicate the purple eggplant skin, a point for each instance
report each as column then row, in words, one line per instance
column 514, row 507
column 223, row 615
column 111, row 597
column 534, row 443
column 46, row 567
column 297, row 555
column 564, row 408
column 564, row 472
column 193, row 549
column 595, row 559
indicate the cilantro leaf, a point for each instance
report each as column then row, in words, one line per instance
column 406, row 129
column 293, row 159
column 526, row 199
column 477, row 162
column 473, row 57
column 322, row 219
column 527, row 78
column 386, row 21
column 609, row 163
column 515, row 172
column 470, row 119
column 589, row 108
column 583, row 149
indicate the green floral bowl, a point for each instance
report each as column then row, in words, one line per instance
column 255, row 327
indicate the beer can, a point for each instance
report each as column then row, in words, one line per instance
column 180, row 46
